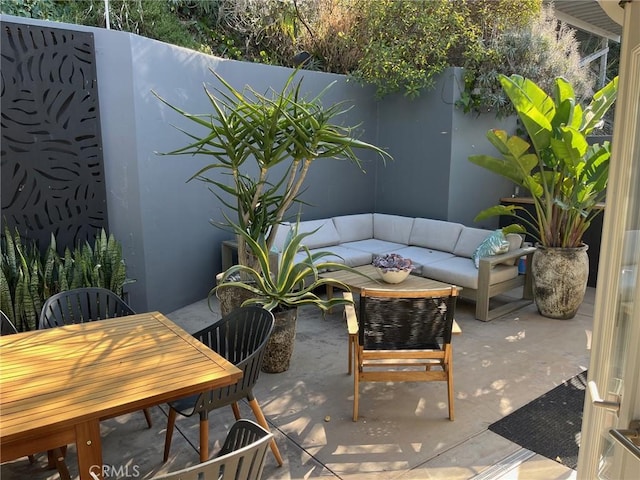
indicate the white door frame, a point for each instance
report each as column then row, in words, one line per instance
column 620, row 206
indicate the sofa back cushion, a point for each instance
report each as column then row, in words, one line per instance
column 392, row 228
column 325, row 236
column 469, row 240
column 435, row 234
column 352, row 228
column 281, row 236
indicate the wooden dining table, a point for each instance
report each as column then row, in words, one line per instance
column 57, row 384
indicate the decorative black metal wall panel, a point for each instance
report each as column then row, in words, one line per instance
column 51, row 150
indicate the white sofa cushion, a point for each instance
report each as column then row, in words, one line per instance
column 351, row 228
column 281, row 236
column 422, row 256
column 325, row 235
column 462, row 272
column 340, row 254
column 435, row 234
column 373, row 245
column 392, row 228
column 469, row 240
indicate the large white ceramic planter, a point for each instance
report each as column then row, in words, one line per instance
column 559, row 280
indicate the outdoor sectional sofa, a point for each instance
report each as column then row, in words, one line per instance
column 440, row 250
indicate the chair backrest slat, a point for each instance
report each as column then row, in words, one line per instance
column 82, row 305
column 241, row 338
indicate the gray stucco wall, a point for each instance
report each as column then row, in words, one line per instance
column 472, row 188
column 181, row 247
column 170, row 247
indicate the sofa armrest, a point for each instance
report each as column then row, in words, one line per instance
column 486, row 290
column 494, row 260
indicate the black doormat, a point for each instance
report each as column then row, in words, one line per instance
column 549, row 425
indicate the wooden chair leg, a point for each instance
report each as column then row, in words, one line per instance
column 352, row 348
column 356, row 389
column 147, row 416
column 257, row 411
column 450, row 389
column 167, row 438
column 204, row 439
column 61, row 466
column 236, row 410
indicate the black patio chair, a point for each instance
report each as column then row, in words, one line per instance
column 82, row 305
column 241, row 456
column 241, row 338
column 6, row 326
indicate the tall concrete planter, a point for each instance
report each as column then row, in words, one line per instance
column 559, row 280
column 279, row 349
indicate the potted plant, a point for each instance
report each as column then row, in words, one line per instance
column 265, row 145
column 566, row 178
column 292, row 285
column 393, row 267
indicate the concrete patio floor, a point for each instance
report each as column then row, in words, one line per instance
column 403, row 431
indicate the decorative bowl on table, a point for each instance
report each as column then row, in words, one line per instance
column 393, row 268
column 393, row 276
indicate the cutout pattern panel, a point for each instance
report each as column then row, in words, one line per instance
column 51, row 152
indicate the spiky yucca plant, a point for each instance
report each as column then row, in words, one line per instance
column 252, row 136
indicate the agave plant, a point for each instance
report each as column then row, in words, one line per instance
column 248, row 132
column 293, row 284
column 566, row 176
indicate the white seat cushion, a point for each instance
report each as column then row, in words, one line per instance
column 462, row 272
column 340, row 254
column 422, row 256
column 373, row 245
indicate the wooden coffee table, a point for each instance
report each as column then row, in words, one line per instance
column 357, row 282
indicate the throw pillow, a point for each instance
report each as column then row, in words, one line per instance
column 494, row 244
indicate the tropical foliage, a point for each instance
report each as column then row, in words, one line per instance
column 565, row 176
column 28, row 278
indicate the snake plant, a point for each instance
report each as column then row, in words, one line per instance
column 27, row 278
